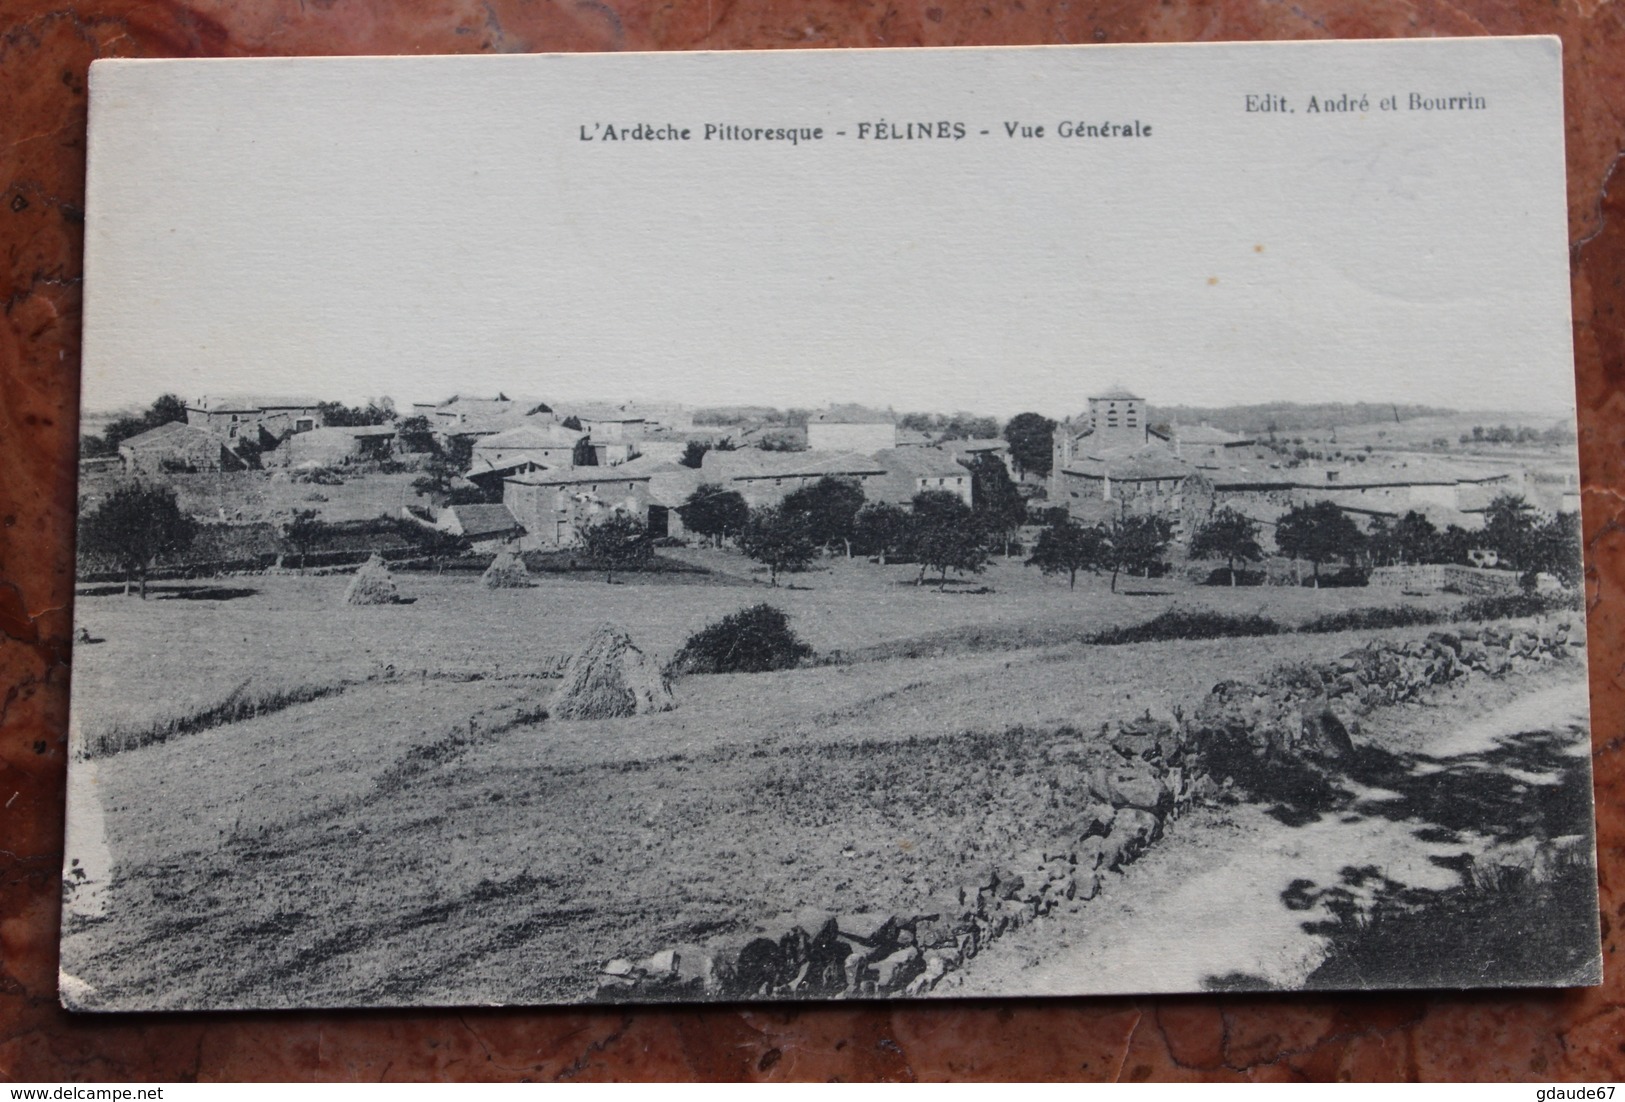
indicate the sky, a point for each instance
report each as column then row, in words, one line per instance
column 419, row 227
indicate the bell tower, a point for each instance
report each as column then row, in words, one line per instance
column 1119, row 420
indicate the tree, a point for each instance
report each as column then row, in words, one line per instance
column 1508, row 524
column 304, row 531
column 996, row 503
column 1319, row 533
column 164, row 409
column 881, row 529
column 338, row 415
column 945, row 536
column 1138, row 543
column 617, row 542
column 1031, row 437
column 714, row 512
column 829, row 507
column 1414, row 539
column 1452, row 545
column 444, row 470
column 694, row 454
column 778, row 540
column 1230, row 536
column 415, row 435
column 572, row 422
column 969, row 426
column 1066, row 547
column 135, row 527
column 249, row 450
column 1554, row 548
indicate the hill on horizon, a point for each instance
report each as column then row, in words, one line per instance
column 1292, row 416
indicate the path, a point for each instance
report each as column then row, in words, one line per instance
column 1209, row 902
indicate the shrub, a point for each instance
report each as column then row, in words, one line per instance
column 1509, row 606
column 1178, row 623
column 1356, row 619
column 1347, row 577
column 754, row 640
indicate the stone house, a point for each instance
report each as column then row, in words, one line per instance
column 554, row 505
column 767, row 478
column 486, row 527
column 851, row 428
column 177, row 448
column 544, row 442
column 910, row 471
column 241, row 416
column 332, row 447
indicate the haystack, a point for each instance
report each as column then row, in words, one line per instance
column 507, row 571
column 373, row 584
column 610, row 677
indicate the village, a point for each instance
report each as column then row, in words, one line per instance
column 529, row 700
column 518, row 475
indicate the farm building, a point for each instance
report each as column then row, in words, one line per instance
column 766, row 478
column 553, row 506
column 176, row 448
column 851, row 428
column 238, row 416
column 611, row 425
column 544, row 442
column 490, row 476
column 332, row 447
column 967, row 451
column 486, row 527
column 910, row 471
column 1111, row 462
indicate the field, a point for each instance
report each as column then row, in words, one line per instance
column 399, row 825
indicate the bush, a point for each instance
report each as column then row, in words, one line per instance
column 1221, row 576
column 320, row 476
column 1510, row 606
column 1355, row 619
column 1344, row 578
column 754, row 640
column 1182, row 624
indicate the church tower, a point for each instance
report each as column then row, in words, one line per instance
column 1119, row 420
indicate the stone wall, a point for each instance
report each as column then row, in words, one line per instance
column 1155, row 769
column 1434, row 577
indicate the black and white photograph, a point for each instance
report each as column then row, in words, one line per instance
column 812, row 525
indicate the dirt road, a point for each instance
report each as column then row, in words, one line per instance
column 1225, row 899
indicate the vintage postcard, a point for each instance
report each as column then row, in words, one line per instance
column 828, row 525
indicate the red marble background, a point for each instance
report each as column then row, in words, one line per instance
column 45, row 47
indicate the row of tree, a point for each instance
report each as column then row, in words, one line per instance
column 938, row 529
column 1319, row 533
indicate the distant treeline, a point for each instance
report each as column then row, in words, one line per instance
column 1290, row 416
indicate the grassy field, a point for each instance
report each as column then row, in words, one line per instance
column 418, row 833
column 165, row 656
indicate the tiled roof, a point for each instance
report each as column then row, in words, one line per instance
column 170, row 432
column 1150, row 463
column 229, row 403
column 573, row 476
column 755, row 463
column 1118, row 394
column 919, row 463
column 549, row 435
column 483, row 520
column 483, row 466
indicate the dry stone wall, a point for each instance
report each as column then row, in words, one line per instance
column 1155, row 770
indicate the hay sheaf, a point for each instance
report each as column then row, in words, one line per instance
column 507, row 571
column 610, row 677
column 373, row 584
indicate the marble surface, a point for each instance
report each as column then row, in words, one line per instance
column 45, row 47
